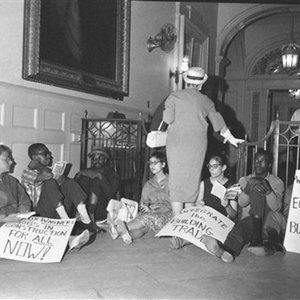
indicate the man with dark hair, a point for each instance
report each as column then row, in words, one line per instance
column 54, row 198
column 262, row 192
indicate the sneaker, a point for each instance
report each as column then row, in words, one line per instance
column 77, row 242
column 122, row 229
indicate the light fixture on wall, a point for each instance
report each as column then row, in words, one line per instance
column 295, row 93
column 184, row 67
column 290, row 52
column 165, row 39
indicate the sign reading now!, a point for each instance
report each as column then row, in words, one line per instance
column 292, row 233
column 36, row 239
column 193, row 222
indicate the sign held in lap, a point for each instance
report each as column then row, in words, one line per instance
column 193, row 222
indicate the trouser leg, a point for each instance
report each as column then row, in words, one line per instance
column 239, row 236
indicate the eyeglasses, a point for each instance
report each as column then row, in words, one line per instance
column 155, row 162
column 214, row 166
column 7, row 159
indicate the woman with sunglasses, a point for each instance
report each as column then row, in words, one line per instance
column 154, row 208
column 227, row 205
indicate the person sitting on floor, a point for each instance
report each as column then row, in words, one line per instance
column 227, row 205
column 50, row 199
column 13, row 197
column 263, row 192
column 155, row 209
column 100, row 182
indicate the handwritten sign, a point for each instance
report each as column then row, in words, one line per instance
column 36, row 239
column 125, row 209
column 292, row 233
column 193, row 222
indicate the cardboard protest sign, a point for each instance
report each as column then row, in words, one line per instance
column 36, row 239
column 292, row 233
column 191, row 223
column 124, row 210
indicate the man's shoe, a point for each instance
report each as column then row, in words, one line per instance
column 260, row 250
column 77, row 242
column 92, row 227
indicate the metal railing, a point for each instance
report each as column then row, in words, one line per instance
column 283, row 140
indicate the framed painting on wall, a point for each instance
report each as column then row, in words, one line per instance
column 81, row 45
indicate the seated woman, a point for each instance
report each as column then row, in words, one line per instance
column 228, row 204
column 13, row 198
column 154, row 209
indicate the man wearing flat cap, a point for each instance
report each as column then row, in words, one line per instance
column 100, row 182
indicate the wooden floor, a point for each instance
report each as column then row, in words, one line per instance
column 148, row 269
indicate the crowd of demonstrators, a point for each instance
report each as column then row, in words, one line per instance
column 186, row 112
column 154, row 207
column 100, row 182
column 165, row 194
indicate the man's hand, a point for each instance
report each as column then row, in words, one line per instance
column 263, row 187
column 90, row 173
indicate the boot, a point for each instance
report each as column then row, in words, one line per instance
column 275, row 241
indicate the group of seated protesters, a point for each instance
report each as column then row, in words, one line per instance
column 64, row 197
column 60, row 197
column 261, row 192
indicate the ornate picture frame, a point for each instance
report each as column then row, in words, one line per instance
column 92, row 57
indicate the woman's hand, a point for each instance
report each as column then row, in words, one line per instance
column 200, row 203
column 144, row 209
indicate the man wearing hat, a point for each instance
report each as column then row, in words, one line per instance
column 100, row 182
column 185, row 114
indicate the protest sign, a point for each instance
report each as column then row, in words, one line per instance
column 124, row 210
column 191, row 223
column 36, row 239
column 292, row 233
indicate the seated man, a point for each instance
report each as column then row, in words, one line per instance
column 100, row 182
column 263, row 192
column 50, row 199
column 13, row 198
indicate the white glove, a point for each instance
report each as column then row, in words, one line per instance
column 228, row 137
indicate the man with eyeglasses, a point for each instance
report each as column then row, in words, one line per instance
column 54, row 198
column 262, row 192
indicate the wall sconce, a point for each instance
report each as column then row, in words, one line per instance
column 184, row 68
column 165, row 39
